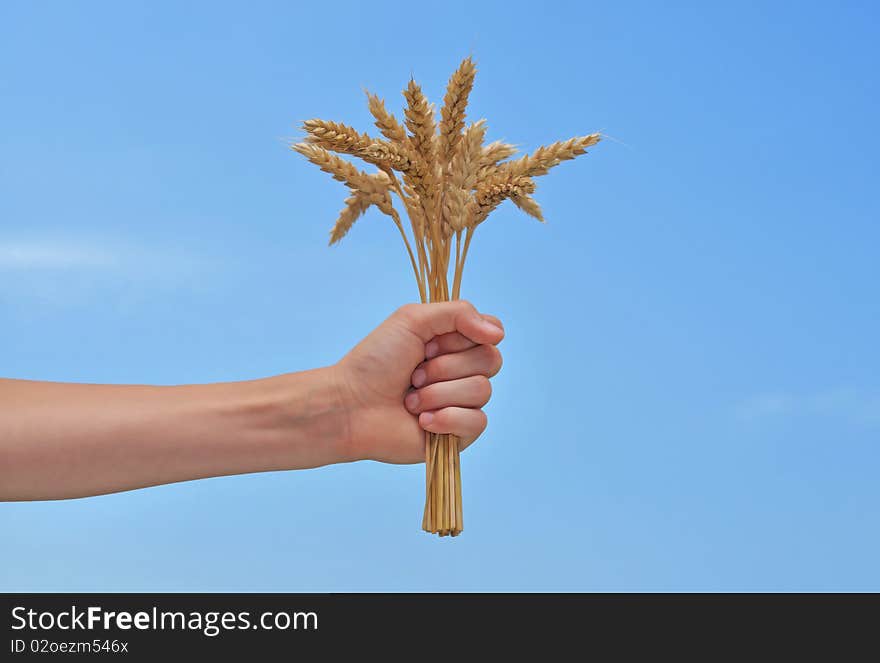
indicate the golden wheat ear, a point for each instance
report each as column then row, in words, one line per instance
column 389, row 155
column 544, row 158
column 420, row 121
column 340, row 169
column 468, row 156
column 422, row 176
column 495, row 190
column 385, row 121
column 528, row 205
column 490, row 160
column 455, row 102
column 495, row 152
column 355, row 206
column 461, row 176
column 336, row 137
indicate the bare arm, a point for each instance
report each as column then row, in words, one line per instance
column 425, row 368
column 67, row 440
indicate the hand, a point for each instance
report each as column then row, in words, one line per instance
column 427, row 367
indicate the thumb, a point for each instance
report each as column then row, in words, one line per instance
column 430, row 320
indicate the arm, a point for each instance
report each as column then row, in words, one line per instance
column 425, row 368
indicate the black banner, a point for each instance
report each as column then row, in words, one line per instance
column 149, row 626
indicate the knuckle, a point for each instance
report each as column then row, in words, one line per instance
column 465, row 305
column 407, row 310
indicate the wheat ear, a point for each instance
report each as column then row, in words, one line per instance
column 385, row 121
column 548, row 156
column 336, row 137
column 340, row 169
column 462, row 176
column 355, row 206
column 452, row 114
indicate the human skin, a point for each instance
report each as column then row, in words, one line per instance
column 426, row 367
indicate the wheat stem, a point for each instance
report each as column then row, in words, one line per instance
column 456, row 286
column 420, row 273
column 397, row 222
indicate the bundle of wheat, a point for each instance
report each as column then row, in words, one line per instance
column 450, row 181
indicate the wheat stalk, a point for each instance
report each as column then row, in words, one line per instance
column 450, row 181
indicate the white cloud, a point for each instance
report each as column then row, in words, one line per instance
column 97, row 258
column 54, row 255
column 49, row 274
column 853, row 405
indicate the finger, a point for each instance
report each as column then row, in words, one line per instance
column 446, row 343
column 495, row 321
column 466, row 423
column 479, row 360
column 473, row 391
column 430, row 320
column 455, row 342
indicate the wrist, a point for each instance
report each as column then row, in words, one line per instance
column 307, row 416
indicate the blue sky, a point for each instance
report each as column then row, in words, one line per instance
column 690, row 398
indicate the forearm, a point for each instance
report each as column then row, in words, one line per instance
column 61, row 440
